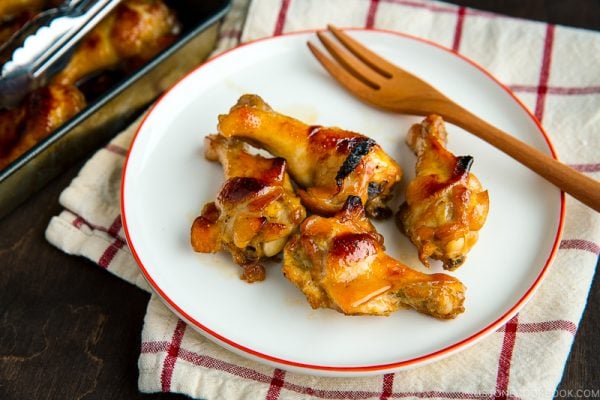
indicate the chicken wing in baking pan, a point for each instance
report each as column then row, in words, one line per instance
column 133, row 33
column 140, row 58
column 256, row 209
column 329, row 164
column 340, row 263
column 445, row 204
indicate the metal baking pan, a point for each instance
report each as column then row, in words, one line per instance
column 115, row 108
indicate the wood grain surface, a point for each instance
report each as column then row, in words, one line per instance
column 69, row 330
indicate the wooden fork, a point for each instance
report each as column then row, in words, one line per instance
column 382, row 84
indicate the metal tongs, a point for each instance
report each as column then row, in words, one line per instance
column 43, row 46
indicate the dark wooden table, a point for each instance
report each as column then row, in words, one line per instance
column 69, row 330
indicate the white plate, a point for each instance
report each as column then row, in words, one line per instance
column 167, row 181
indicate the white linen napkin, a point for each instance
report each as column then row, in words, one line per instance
column 552, row 69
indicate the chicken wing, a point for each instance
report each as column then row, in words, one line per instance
column 132, row 34
column 42, row 111
column 340, row 263
column 255, row 211
column 445, row 204
column 329, row 164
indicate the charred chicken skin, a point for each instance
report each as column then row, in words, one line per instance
column 329, row 164
column 340, row 263
column 256, row 209
column 445, row 204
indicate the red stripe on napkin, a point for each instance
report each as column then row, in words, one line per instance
column 78, row 222
column 371, row 14
column 545, row 326
column 460, row 21
column 172, row 354
column 110, row 252
column 580, row 244
column 387, row 387
column 545, row 72
column 154, row 347
column 276, row 384
column 508, row 344
column 548, row 326
column 285, row 4
column 214, row 363
column 115, row 227
column 594, row 167
column 558, row 90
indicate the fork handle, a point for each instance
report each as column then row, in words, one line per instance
column 582, row 187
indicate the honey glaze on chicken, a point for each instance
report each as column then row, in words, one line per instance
column 340, row 263
column 255, row 211
column 445, row 204
column 328, row 163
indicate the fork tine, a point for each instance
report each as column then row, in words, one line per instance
column 370, row 58
column 345, row 78
column 351, row 63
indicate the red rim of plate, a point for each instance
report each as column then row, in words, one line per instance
column 368, row 368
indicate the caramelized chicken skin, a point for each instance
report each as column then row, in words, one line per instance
column 445, row 204
column 255, row 211
column 340, row 263
column 329, row 164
